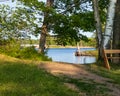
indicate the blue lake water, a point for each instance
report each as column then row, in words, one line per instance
column 68, row 55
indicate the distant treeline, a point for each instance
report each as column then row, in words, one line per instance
column 53, row 41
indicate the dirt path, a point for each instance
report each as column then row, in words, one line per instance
column 79, row 72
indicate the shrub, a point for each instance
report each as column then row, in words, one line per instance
column 23, row 53
column 31, row 53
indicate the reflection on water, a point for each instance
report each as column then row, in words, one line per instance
column 67, row 55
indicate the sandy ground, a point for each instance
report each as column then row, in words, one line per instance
column 79, row 72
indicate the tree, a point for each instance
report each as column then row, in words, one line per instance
column 72, row 17
column 116, row 27
column 44, row 29
column 67, row 17
column 109, row 23
column 14, row 23
column 61, row 20
column 98, row 28
column 116, row 30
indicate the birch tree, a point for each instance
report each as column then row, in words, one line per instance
column 109, row 23
column 98, row 28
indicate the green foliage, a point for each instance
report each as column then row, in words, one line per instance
column 52, row 40
column 84, row 21
column 91, row 42
column 67, row 28
column 103, row 7
column 16, row 23
column 13, row 49
column 9, row 47
column 65, row 19
column 31, row 53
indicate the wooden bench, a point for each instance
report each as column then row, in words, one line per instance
column 110, row 52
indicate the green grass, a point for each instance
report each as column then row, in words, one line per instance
column 113, row 74
column 18, row 78
column 92, row 52
column 88, row 87
column 24, row 78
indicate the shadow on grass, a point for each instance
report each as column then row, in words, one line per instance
column 88, row 87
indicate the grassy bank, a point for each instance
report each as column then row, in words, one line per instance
column 24, row 78
column 68, row 46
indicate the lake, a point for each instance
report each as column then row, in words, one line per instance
column 68, row 55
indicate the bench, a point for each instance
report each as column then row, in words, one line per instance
column 111, row 57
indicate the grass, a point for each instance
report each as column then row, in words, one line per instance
column 92, row 52
column 18, row 78
column 88, row 87
column 24, row 78
column 113, row 74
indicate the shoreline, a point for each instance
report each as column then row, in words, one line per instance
column 55, row 46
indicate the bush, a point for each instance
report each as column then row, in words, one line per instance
column 31, row 53
column 24, row 53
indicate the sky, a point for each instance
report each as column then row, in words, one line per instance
column 8, row 2
column 12, row 4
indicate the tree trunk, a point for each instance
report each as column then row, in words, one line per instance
column 116, row 30
column 98, row 29
column 44, row 30
column 42, row 41
column 109, row 23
